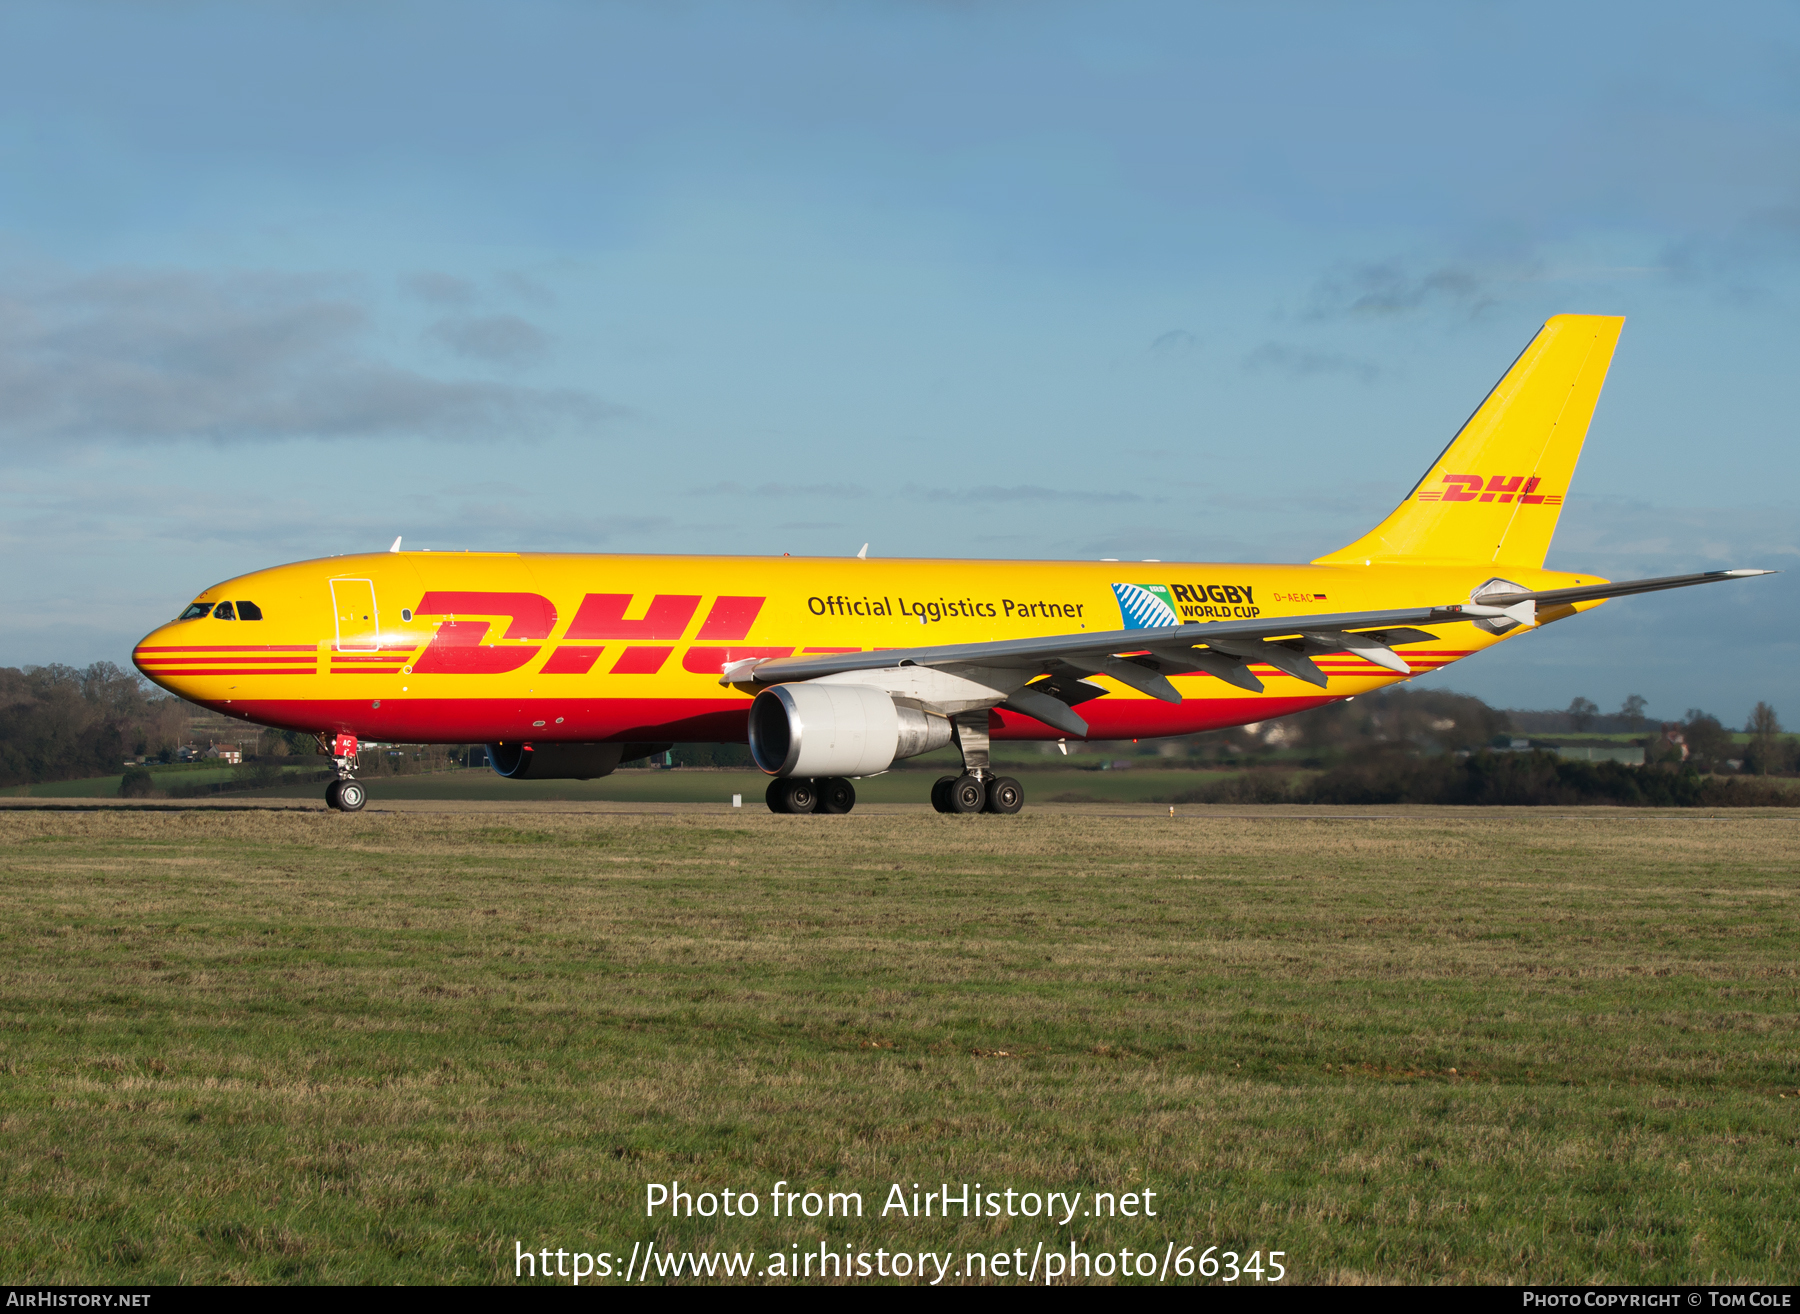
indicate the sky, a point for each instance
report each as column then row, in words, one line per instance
column 1184, row 281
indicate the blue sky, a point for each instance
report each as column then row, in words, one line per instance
column 1180, row 281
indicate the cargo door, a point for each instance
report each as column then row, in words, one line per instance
column 358, row 623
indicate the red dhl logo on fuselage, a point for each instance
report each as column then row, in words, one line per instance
column 463, row 648
column 1497, row 488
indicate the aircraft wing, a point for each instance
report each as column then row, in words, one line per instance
column 1595, row 592
column 1094, row 647
column 1143, row 659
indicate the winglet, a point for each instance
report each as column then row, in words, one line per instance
column 396, row 547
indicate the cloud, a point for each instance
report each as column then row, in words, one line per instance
column 1737, row 263
column 440, row 289
column 731, row 489
column 180, row 355
column 1015, row 493
column 494, row 488
column 526, row 288
column 1394, row 287
column 502, row 339
column 986, row 493
column 98, row 518
column 1306, row 362
column 1176, row 342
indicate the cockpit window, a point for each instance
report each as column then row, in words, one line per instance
column 224, row 612
column 248, row 611
column 195, row 611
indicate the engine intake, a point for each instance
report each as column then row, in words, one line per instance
column 824, row 729
column 531, row 761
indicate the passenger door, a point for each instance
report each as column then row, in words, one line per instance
column 358, row 622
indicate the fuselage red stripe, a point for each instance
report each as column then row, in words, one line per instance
column 233, row 647
column 272, row 663
column 229, row 670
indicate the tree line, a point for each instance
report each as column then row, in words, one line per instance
column 1485, row 777
column 60, row 723
column 1413, row 721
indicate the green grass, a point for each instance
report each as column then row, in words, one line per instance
column 1497, row 1046
column 180, row 775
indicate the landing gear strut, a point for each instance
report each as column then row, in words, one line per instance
column 978, row 789
column 346, row 793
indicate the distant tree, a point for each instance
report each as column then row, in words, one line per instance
column 1632, row 709
column 1413, row 719
column 1709, row 743
column 1582, row 713
column 60, row 723
column 284, row 743
column 1766, row 752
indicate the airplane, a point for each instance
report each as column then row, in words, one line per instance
column 832, row 669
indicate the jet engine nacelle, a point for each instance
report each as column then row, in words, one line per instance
column 822, row 729
column 532, row 761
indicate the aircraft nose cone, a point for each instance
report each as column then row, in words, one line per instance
column 156, row 656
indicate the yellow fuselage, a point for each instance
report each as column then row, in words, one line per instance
column 446, row 647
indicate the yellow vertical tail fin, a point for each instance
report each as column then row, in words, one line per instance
column 1497, row 490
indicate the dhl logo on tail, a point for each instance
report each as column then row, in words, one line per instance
column 1499, row 488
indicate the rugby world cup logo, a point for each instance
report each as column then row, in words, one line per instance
column 1145, row 606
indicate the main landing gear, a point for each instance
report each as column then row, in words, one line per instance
column 832, row 795
column 973, row 794
column 978, row 789
column 346, row 793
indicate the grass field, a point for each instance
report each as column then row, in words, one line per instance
column 162, row 777
column 241, row 1045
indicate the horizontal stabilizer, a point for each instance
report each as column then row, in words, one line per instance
column 1518, row 612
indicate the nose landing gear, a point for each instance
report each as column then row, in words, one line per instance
column 345, row 794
